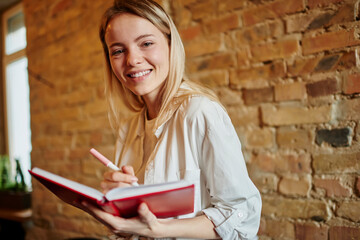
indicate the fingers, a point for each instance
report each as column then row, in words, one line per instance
column 105, row 218
column 128, row 170
column 146, row 216
column 118, row 179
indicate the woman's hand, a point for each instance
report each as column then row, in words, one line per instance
column 146, row 224
column 118, row 179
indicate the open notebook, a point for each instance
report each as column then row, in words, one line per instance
column 164, row 200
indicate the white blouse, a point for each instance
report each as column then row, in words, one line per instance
column 199, row 144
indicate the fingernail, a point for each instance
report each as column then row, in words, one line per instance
column 142, row 207
column 134, row 179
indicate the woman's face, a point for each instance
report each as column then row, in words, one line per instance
column 139, row 54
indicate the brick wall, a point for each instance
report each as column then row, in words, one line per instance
column 287, row 71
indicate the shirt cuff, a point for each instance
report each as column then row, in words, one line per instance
column 226, row 226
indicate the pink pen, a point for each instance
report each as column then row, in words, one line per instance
column 107, row 162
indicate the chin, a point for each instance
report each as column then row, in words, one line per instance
column 140, row 92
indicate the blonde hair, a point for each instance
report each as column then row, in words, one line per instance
column 117, row 93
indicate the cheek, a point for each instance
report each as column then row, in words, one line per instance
column 117, row 68
column 163, row 63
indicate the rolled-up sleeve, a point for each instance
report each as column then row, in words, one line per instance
column 235, row 201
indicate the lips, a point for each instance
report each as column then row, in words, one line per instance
column 139, row 74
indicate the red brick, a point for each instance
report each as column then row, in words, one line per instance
column 300, row 22
column 203, row 46
column 343, row 15
column 303, row 66
column 343, row 232
column 222, row 24
column 61, row 6
column 256, row 96
column 53, row 154
column 259, row 32
column 86, row 125
column 348, row 109
column 290, row 91
column 352, row 84
column 230, row 98
column 350, row 210
column 101, row 138
column 69, row 113
column 262, row 227
column 322, row 88
column 295, row 186
column 324, row 63
column 267, row 72
column 214, row 78
column 259, row 138
column 203, row 9
column 357, row 186
column 282, row 163
column 244, row 116
column 321, row 3
column 336, row 163
column 226, row 5
column 78, row 97
column 243, row 56
column 277, row 50
column 182, row 16
column 42, row 117
column 332, row 187
column 289, row 115
column 279, row 229
column 94, row 108
column 329, row 62
column 271, row 10
column 347, row 60
column 79, row 153
column 219, row 61
column 329, row 41
column 252, row 34
column 311, row 231
column 293, row 138
column 190, row 33
column 265, row 182
column 296, row 208
column 187, row 2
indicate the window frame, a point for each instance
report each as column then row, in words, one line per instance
column 8, row 59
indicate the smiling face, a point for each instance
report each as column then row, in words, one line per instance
column 139, row 54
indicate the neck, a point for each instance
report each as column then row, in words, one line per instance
column 152, row 106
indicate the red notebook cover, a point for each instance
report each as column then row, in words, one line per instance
column 164, row 200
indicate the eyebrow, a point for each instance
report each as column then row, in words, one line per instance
column 136, row 39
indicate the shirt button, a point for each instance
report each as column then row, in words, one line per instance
column 240, row 214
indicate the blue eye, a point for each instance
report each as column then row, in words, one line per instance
column 147, row 44
column 117, row 52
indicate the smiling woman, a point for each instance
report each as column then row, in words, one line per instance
column 139, row 57
column 179, row 131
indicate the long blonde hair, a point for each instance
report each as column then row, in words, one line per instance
column 117, row 93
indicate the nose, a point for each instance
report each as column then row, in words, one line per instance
column 134, row 57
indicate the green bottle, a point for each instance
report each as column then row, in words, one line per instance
column 19, row 177
column 5, row 172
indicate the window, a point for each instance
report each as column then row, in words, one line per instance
column 16, row 89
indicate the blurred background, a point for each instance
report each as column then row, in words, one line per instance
column 286, row 70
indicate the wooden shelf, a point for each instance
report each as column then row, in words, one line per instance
column 16, row 215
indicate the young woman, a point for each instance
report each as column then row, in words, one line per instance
column 179, row 130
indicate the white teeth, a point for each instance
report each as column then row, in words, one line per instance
column 140, row 74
